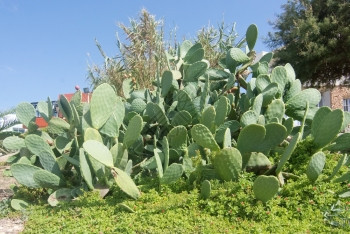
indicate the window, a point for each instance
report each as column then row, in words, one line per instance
column 346, row 104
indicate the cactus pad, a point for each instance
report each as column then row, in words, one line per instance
column 221, row 110
column 275, row 110
column 103, row 103
column 172, row 174
column 46, row 179
column 208, row 118
column 326, row 126
column 13, row 143
column 341, row 143
column 249, row 117
column 36, row 144
column 60, row 195
column 25, row 113
column 228, row 164
column 205, row 189
column 251, row 36
column 133, row 131
column 288, row 152
column 92, row 134
column 195, row 70
column 177, row 137
column 234, row 58
column 315, row 166
column 18, row 204
column 138, row 105
column 125, row 183
column 99, row 152
column 57, row 126
column 181, row 118
column 23, row 173
column 265, row 187
column 202, row 135
column 85, row 169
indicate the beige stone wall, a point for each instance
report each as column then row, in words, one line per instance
column 339, row 93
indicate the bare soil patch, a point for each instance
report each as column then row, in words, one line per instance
column 7, row 225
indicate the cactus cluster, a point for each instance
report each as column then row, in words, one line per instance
column 194, row 111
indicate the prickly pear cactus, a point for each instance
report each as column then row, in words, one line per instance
column 125, row 183
column 24, row 174
column 25, row 113
column 205, row 189
column 228, row 164
column 172, row 174
column 99, row 152
column 202, row 135
column 46, row 179
column 326, row 125
column 265, row 187
column 315, row 166
column 103, row 102
column 13, row 143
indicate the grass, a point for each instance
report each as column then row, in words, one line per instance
column 300, row 207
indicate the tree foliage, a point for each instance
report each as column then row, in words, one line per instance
column 314, row 36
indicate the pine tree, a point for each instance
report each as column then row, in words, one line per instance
column 314, row 36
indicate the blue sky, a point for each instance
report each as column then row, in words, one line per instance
column 46, row 46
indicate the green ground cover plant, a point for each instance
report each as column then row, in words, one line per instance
column 231, row 208
column 213, row 146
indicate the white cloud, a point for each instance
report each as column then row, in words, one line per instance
column 11, row 6
column 7, row 69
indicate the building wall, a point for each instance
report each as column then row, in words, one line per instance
column 337, row 95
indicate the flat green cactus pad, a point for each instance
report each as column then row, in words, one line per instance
column 177, row 137
column 182, row 118
column 133, row 131
column 60, row 195
column 58, row 126
column 23, row 173
column 288, row 152
column 172, row 173
column 315, row 166
column 47, row 179
column 103, row 102
column 36, row 144
column 99, row 152
column 265, row 187
column 25, row 113
column 92, row 134
column 18, row 204
column 13, row 143
column 205, row 189
column 228, row 164
column 326, row 126
column 85, row 169
column 125, row 183
column 251, row 36
column 202, row 135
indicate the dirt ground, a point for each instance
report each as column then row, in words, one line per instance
column 8, row 225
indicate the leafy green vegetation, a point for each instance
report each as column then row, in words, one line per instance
column 313, row 35
column 299, row 207
column 197, row 134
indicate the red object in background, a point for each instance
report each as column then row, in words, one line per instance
column 85, row 97
column 40, row 121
